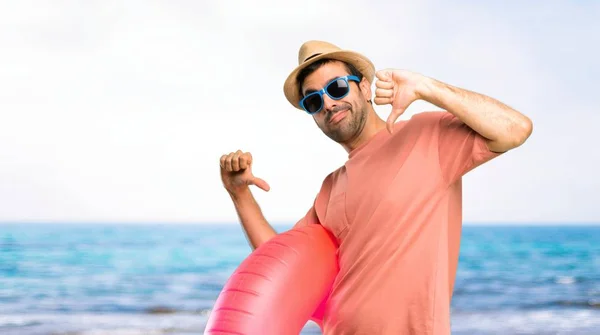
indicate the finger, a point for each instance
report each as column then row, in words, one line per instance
column 228, row 165
column 382, row 101
column 384, row 93
column 235, row 161
column 384, row 84
column 384, row 75
column 263, row 185
column 222, row 161
column 245, row 160
column 394, row 115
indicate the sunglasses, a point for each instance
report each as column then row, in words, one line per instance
column 335, row 89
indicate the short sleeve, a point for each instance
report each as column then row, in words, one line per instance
column 460, row 148
column 317, row 211
column 309, row 218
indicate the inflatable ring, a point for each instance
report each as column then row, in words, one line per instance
column 279, row 287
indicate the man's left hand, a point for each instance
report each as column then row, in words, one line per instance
column 399, row 88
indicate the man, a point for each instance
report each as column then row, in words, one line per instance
column 395, row 205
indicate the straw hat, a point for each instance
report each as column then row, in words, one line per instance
column 313, row 51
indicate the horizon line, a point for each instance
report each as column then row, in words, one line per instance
column 283, row 223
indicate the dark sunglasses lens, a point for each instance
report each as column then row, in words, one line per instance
column 338, row 88
column 313, row 103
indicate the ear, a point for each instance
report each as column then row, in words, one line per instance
column 365, row 89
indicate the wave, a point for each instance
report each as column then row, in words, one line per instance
column 106, row 324
column 157, row 321
column 541, row 322
column 595, row 304
column 169, row 310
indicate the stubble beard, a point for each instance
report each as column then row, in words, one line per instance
column 348, row 128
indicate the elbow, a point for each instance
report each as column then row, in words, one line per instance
column 519, row 133
column 523, row 130
column 515, row 136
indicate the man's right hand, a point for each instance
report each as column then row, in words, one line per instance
column 236, row 173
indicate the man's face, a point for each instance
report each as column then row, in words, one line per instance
column 341, row 120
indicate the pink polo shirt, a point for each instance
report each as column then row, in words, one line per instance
column 395, row 208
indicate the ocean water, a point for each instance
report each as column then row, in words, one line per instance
column 163, row 279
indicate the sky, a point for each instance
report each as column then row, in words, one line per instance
column 115, row 111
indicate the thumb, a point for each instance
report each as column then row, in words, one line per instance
column 260, row 183
column 394, row 115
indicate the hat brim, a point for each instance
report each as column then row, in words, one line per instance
column 362, row 64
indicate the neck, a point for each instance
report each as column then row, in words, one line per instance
column 372, row 126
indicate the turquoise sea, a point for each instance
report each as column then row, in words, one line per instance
column 163, row 278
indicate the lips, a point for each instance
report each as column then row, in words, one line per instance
column 337, row 117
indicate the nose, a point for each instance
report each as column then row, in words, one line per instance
column 328, row 103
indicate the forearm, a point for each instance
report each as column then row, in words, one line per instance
column 255, row 226
column 502, row 126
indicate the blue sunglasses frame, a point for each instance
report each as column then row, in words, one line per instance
column 324, row 91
